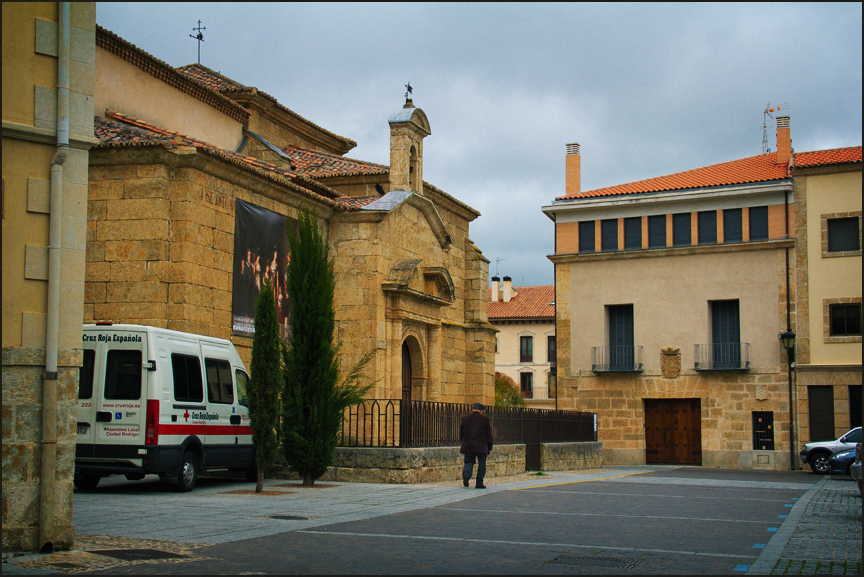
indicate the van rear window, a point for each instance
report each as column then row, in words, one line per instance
column 123, row 375
column 188, row 385
column 85, row 375
column 220, row 387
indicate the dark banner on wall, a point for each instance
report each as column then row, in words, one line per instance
column 260, row 252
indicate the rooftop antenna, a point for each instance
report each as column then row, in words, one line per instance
column 199, row 37
column 765, row 114
column 498, row 260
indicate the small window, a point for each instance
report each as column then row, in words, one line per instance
column 843, row 234
column 845, row 320
column 85, row 375
column 763, row 430
column 526, row 349
column 633, row 233
column 707, row 222
column 681, row 229
column 551, row 355
column 609, row 235
column 188, row 386
column 220, row 387
column 732, row 229
column 586, row 236
column 242, row 388
column 758, row 217
column 123, row 375
column 657, row 231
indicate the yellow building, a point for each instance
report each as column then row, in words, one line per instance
column 671, row 295
column 48, row 87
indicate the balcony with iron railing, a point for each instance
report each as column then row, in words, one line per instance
column 722, row 357
column 616, row 359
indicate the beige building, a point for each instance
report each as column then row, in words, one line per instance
column 671, row 295
column 828, row 292
column 48, row 87
column 525, row 343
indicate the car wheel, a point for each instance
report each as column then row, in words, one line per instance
column 187, row 474
column 86, row 482
column 819, row 463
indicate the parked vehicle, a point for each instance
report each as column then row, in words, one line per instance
column 818, row 453
column 153, row 400
column 841, row 463
column 855, row 470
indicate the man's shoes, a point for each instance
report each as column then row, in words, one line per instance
column 465, row 479
column 480, row 486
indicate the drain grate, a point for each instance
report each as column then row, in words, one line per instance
column 610, row 562
column 288, row 517
column 138, row 554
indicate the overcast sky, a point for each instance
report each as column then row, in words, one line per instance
column 646, row 89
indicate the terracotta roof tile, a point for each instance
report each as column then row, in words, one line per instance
column 316, row 164
column 833, row 156
column 530, row 302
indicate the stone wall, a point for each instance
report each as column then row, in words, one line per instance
column 436, row 464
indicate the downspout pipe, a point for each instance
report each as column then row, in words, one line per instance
column 52, row 328
column 790, row 353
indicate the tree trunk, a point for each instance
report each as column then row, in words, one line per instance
column 308, row 480
column 259, row 485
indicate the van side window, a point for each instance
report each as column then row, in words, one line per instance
column 220, row 387
column 188, row 385
column 242, row 381
column 123, row 375
column 85, row 375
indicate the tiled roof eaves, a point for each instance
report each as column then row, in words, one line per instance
column 170, row 140
column 126, row 50
column 719, row 187
column 829, row 157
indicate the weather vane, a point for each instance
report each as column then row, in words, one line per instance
column 410, row 90
column 199, row 37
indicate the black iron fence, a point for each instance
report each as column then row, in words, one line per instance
column 399, row 423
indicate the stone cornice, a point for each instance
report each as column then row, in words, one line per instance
column 45, row 135
column 672, row 251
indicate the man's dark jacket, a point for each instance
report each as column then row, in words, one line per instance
column 475, row 432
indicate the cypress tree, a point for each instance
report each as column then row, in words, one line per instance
column 264, row 382
column 313, row 400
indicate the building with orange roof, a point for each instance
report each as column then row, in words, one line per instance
column 525, row 343
column 671, row 295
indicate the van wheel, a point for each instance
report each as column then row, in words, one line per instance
column 187, row 474
column 86, row 482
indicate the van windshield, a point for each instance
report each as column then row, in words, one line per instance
column 123, row 375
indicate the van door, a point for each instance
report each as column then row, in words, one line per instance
column 221, row 441
column 246, row 450
column 86, row 411
column 119, row 396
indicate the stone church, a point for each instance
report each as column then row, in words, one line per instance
column 193, row 183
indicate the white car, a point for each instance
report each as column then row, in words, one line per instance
column 817, row 454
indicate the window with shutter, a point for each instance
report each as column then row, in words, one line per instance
column 621, row 341
column 681, row 228
column 586, row 236
column 732, row 231
column 725, row 335
column 633, row 233
column 657, row 231
column 758, row 217
column 609, row 235
column 707, row 223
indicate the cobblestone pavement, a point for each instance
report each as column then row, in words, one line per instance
column 823, row 536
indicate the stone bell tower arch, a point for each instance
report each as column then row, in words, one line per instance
column 408, row 127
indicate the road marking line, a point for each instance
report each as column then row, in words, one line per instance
column 525, row 543
column 511, row 512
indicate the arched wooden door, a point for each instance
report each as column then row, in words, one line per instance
column 406, row 372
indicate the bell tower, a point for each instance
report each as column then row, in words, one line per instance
column 408, row 127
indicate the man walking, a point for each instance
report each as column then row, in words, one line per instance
column 475, row 433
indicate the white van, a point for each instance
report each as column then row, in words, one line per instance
column 154, row 400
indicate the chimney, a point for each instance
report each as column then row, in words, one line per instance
column 784, row 140
column 495, row 281
column 508, row 290
column 573, row 177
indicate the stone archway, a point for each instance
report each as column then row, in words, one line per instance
column 413, row 377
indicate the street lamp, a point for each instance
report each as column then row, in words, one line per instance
column 788, row 340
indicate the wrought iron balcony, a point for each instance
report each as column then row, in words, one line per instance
column 723, row 357
column 616, row 359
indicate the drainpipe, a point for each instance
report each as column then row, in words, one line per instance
column 52, row 328
column 789, row 362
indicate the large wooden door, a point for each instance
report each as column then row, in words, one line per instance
column 673, row 431
column 406, row 372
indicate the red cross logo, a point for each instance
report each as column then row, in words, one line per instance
column 186, row 415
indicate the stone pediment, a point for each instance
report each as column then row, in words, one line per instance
column 427, row 283
column 395, row 198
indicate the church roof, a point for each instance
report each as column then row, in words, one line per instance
column 315, row 164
